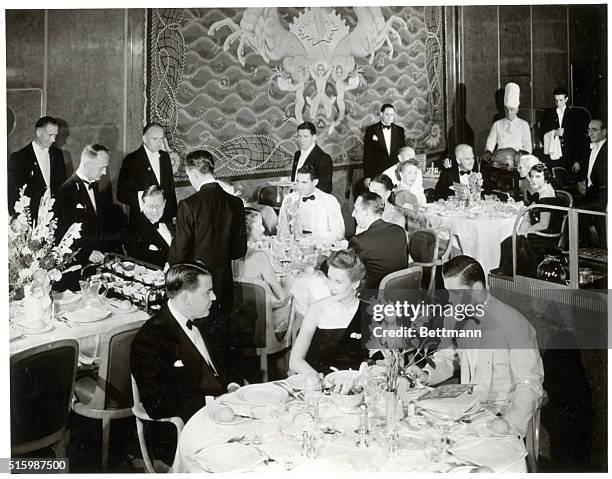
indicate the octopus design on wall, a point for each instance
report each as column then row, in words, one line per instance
column 238, row 81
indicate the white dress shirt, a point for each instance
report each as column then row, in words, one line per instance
column 321, row 216
column 560, row 113
column 303, row 155
column 510, row 134
column 90, row 192
column 154, row 161
column 595, row 147
column 194, row 335
column 387, row 135
column 44, row 162
column 163, row 230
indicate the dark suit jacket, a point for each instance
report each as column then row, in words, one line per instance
column 376, row 158
column 322, row 163
column 99, row 229
column 597, row 194
column 210, row 227
column 383, row 248
column 166, row 388
column 136, row 175
column 143, row 241
column 574, row 137
column 23, row 169
column 450, row 176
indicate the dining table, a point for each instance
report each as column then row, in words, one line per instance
column 276, row 428
column 69, row 320
column 478, row 230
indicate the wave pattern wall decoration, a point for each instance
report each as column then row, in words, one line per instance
column 237, row 81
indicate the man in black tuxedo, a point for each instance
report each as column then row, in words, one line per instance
column 311, row 154
column 149, row 236
column 381, row 246
column 459, row 172
column 38, row 166
column 148, row 165
column 567, row 124
column 594, row 184
column 210, row 227
column 381, row 144
column 79, row 200
column 175, row 360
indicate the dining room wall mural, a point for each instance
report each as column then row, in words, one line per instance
column 237, row 81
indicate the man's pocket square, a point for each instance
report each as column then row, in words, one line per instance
column 178, row 364
column 152, row 247
column 79, row 205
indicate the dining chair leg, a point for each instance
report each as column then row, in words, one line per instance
column 263, row 364
column 143, row 447
column 106, row 423
column 59, row 448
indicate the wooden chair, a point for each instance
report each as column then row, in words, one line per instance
column 532, row 438
column 141, row 415
column 402, row 285
column 424, row 249
column 566, row 200
column 109, row 395
column 41, row 389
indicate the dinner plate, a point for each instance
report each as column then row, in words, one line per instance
column 112, row 305
column 30, row 332
column 232, row 457
column 87, row 315
column 481, row 428
column 236, row 420
column 262, row 395
column 297, row 381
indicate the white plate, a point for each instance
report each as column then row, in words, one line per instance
column 297, row 381
column 87, row 315
column 236, row 420
column 116, row 310
column 231, row 457
column 29, row 331
column 262, row 395
column 481, row 428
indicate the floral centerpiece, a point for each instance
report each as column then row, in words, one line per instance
column 289, row 222
column 35, row 262
column 475, row 183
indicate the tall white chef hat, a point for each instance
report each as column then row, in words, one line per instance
column 512, row 95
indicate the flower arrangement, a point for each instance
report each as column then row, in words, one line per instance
column 475, row 182
column 34, row 261
column 289, row 222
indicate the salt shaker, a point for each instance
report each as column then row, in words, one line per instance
column 305, row 443
column 411, row 408
column 312, row 448
column 363, row 419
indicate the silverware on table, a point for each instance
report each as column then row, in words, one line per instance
column 289, row 389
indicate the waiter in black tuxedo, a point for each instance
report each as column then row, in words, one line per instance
column 210, row 227
column 149, row 236
column 38, row 166
column 311, row 154
column 148, row 165
column 568, row 125
column 175, row 360
column 459, row 172
column 381, row 144
column 594, row 184
column 79, row 200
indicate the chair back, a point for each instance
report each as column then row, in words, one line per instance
column 252, row 309
column 41, row 389
column 402, row 285
column 114, row 373
column 564, row 198
column 561, row 175
column 269, row 195
column 423, row 247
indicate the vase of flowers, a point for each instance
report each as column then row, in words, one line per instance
column 475, row 182
column 35, row 262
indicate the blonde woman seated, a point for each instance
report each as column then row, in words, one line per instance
column 331, row 331
column 256, row 265
column 409, row 190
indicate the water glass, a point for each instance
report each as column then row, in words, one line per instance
column 312, row 389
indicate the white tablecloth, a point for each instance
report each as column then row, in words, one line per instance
column 88, row 335
column 337, row 454
column 479, row 238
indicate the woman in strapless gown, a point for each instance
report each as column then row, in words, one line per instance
column 331, row 331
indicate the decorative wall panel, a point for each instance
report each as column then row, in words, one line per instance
column 238, row 81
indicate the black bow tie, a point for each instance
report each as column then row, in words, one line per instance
column 386, row 127
column 196, row 322
column 533, row 198
column 464, row 173
column 306, row 198
column 89, row 184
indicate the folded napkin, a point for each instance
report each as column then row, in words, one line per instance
column 452, row 408
column 552, row 145
column 495, row 453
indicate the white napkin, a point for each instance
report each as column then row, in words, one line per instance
column 495, row 453
column 552, row 145
column 451, row 407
